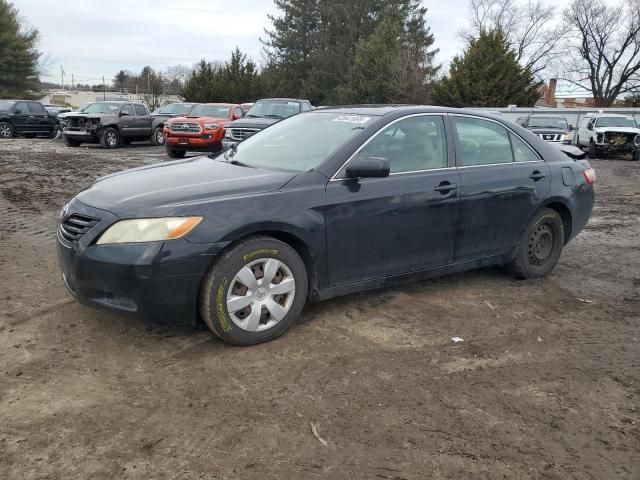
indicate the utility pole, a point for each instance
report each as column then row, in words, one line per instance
column 62, row 76
column 72, row 81
column 104, row 89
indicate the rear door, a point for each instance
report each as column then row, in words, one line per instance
column 143, row 121
column 377, row 227
column 38, row 117
column 503, row 181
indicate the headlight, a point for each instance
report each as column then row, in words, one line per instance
column 148, row 230
column 211, row 126
column 167, row 124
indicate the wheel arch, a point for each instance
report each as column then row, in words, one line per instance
column 562, row 208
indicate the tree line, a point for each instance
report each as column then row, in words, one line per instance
column 383, row 51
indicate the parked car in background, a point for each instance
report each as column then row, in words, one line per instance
column 549, row 128
column 263, row 113
column 201, row 130
column 27, row 118
column 325, row 203
column 111, row 123
column 246, row 107
column 606, row 134
column 161, row 114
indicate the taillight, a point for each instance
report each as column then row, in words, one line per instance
column 589, row 175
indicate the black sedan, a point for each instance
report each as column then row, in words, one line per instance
column 325, row 203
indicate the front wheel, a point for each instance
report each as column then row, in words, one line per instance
column 593, row 150
column 540, row 245
column 70, row 142
column 157, row 138
column 110, row 138
column 174, row 153
column 6, row 130
column 254, row 292
column 636, row 156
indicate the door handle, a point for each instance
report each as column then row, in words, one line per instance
column 445, row 187
column 537, row 175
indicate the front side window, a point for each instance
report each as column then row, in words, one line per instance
column 410, row 145
column 20, row 108
column 481, row 142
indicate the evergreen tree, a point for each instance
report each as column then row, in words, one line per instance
column 18, row 55
column 487, row 75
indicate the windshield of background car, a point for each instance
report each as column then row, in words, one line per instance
column 102, row 108
column 548, row 122
column 616, row 122
column 174, row 109
column 300, row 143
column 216, row 111
column 6, row 104
column 273, row 109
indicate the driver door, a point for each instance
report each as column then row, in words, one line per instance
column 377, row 227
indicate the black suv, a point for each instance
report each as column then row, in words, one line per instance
column 263, row 113
column 549, row 128
column 161, row 114
column 27, row 118
column 110, row 123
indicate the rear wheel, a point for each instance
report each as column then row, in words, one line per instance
column 110, row 138
column 254, row 292
column 540, row 246
column 175, row 153
column 6, row 130
column 70, row 142
column 157, row 138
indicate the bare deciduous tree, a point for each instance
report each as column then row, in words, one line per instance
column 606, row 39
column 531, row 29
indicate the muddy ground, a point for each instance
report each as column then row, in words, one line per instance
column 546, row 384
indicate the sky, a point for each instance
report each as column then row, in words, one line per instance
column 92, row 38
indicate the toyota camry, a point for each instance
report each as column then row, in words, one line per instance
column 325, row 203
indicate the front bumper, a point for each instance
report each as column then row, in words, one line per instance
column 81, row 134
column 158, row 281
column 209, row 142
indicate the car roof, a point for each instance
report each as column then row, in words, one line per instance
column 282, row 99
column 380, row 110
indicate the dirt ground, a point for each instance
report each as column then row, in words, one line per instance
column 546, row 384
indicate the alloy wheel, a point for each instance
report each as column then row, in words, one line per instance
column 112, row 139
column 5, row 130
column 261, row 294
column 159, row 136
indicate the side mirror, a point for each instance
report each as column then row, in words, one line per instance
column 589, row 127
column 368, row 167
column 571, row 128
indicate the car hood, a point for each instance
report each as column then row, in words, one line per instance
column 254, row 122
column 617, row 129
column 552, row 130
column 182, row 187
column 87, row 115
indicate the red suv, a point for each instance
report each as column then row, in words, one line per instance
column 201, row 130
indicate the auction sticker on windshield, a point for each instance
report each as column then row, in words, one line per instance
column 359, row 119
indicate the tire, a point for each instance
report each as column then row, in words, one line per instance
column 7, row 130
column 578, row 142
column 157, row 137
column 70, row 142
column 55, row 133
column 540, row 246
column 636, row 156
column 593, row 150
column 110, row 138
column 264, row 313
column 174, row 153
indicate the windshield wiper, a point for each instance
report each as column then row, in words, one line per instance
column 252, row 116
column 273, row 116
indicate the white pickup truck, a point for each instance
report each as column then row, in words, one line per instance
column 606, row 134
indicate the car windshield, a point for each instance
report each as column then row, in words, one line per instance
column 616, row 122
column 548, row 122
column 216, row 111
column 300, row 143
column 6, row 104
column 274, row 109
column 101, row 107
column 174, row 109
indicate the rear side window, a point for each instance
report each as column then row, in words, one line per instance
column 521, row 151
column 35, row 107
column 410, row 145
column 127, row 109
column 481, row 142
column 141, row 110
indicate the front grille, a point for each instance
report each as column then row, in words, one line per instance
column 239, row 134
column 185, row 127
column 75, row 226
column 80, row 122
column 619, row 138
column 551, row 137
